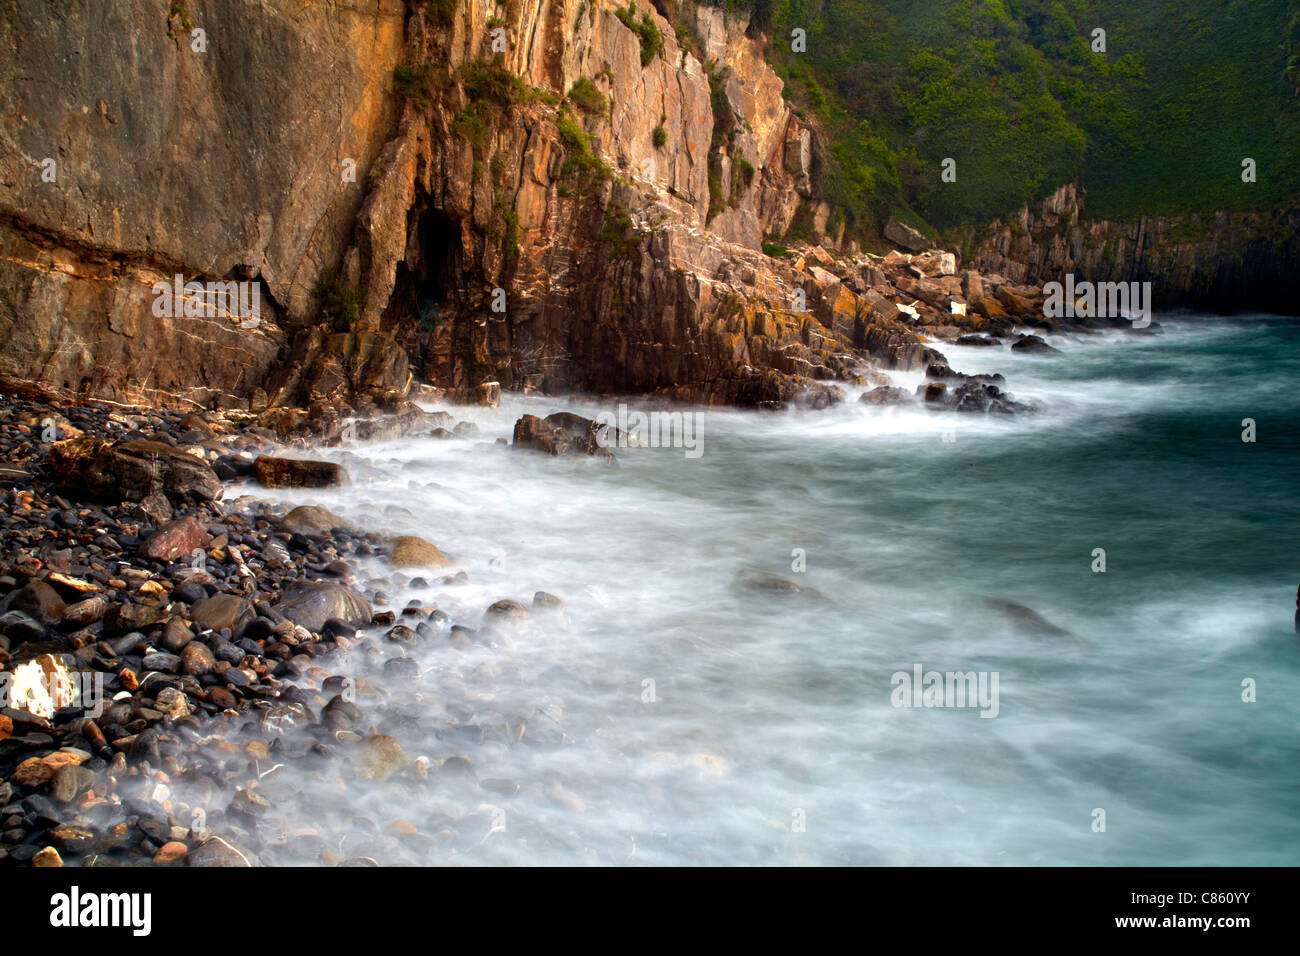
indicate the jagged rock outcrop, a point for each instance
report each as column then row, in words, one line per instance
column 1227, row 261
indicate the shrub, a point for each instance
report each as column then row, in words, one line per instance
column 742, row 176
column 651, row 41
column 581, row 167
column 489, row 82
column 471, row 124
column 443, row 11
column 415, row 83
column 335, row 298
column 659, row 137
column 586, row 96
column 618, row 234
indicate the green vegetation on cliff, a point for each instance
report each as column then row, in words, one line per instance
column 1020, row 95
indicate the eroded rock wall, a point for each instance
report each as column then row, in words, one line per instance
column 478, row 238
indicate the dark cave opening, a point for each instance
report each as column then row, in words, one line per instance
column 429, row 285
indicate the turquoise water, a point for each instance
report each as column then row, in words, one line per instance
column 771, row 736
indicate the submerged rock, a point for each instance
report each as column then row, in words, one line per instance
column 885, row 395
column 1025, row 619
column 221, row 851
column 379, row 757
column 753, row 579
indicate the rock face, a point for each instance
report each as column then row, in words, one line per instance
column 1229, row 262
column 281, row 96
column 476, row 237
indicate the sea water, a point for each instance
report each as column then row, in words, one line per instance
column 676, row 712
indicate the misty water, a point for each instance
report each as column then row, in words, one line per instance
column 670, row 714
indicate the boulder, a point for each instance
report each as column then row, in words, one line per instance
column 412, row 551
column 274, row 472
column 311, row 604
column 131, row 471
column 312, row 521
column 380, row 756
column 1032, row 343
column 984, row 341
column 222, row 610
column 221, row 851
column 197, row 659
column 36, row 599
column 507, row 610
column 563, row 433
column 901, row 234
column 124, row 618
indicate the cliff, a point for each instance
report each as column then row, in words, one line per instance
column 556, row 196
column 481, row 224
column 1228, row 262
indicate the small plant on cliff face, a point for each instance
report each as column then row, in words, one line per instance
column 623, row 241
column 415, row 83
column 717, row 199
column 586, row 96
column 335, row 298
column 174, row 10
column 774, row 249
column 659, row 137
column 470, row 124
column 510, row 232
column 491, row 82
column 581, row 167
column 742, row 177
column 801, row 226
column 651, row 41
